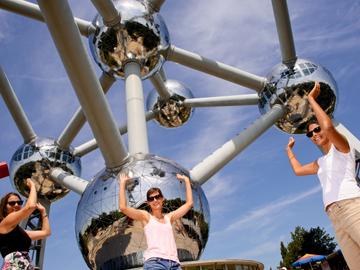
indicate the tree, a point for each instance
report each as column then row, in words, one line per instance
column 314, row 241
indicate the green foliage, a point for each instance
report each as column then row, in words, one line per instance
column 313, row 241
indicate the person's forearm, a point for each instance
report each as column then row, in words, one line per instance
column 295, row 164
column 32, row 199
column 122, row 196
column 321, row 116
column 189, row 197
column 45, row 224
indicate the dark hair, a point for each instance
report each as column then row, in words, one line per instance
column 311, row 121
column 3, row 203
column 152, row 190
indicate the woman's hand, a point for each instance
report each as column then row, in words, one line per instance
column 123, row 178
column 290, row 143
column 182, row 177
column 41, row 208
column 314, row 93
column 29, row 183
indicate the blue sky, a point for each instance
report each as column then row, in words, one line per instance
column 256, row 200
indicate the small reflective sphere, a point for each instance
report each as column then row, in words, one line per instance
column 291, row 87
column 171, row 113
column 34, row 160
column 140, row 36
column 109, row 240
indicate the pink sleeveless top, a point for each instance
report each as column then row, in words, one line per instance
column 160, row 240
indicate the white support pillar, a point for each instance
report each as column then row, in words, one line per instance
column 283, row 26
column 107, row 11
column 353, row 141
column 223, row 155
column 15, row 108
column 32, row 11
column 60, row 21
column 214, row 68
column 160, row 86
column 78, row 120
column 137, row 131
column 237, row 100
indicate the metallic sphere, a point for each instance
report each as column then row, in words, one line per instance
column 110, row 240
column 291, row 87
column 171, row 113
column 140, row 36
column 34, row 160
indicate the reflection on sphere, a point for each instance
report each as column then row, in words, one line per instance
column 291, row 87
column 110, row 240
column 140, row 36
column 171, row 113
column 34, row 160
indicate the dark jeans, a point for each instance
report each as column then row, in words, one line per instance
column 161, row 264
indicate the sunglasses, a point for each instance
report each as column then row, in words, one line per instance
column 13, row 203
column 315, row 130
column 152, row 198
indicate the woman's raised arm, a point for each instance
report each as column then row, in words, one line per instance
column 182, row 210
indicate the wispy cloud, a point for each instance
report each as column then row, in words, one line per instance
column 4, row 26
column 258, row 250
column 46, row 79
column 270, row 209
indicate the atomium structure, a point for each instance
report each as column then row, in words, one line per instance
column 129, row 40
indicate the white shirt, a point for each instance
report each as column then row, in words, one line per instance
column 337, row 176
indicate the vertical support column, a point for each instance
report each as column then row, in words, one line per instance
column 108, row 12
column 40, row 255
column 283, row 26
column 137, row 131
column 34, row 222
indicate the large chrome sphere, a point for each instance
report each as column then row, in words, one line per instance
column 291, row 87
column 171, row 113
column 140, row 36
column 34, row 160
column 109, row 240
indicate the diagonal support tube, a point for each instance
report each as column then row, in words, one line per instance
column 107, row 11
column 353, row 141
column 32, row 11
column 91, row 145
column 214, row 68
column 160, row 86
column 223, row 155
column 237, row 100
column 15, row 108
column 62, row 27
column 137, row 132
column 283, row 26
column 68, row 180
column 78, row 119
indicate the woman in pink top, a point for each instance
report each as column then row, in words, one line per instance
column 336, row 172
column 161, row 252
